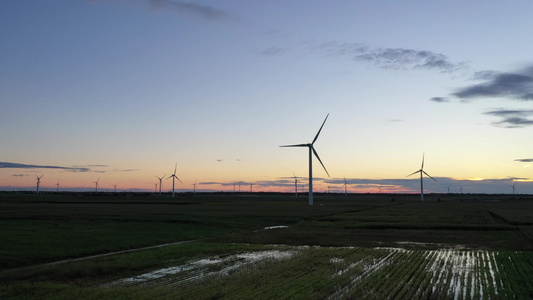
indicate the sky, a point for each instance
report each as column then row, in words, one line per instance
column 122, row 92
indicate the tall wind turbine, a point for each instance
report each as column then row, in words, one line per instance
column 422, row 172
column 161, row 182
column 513, row 187
column 311, row 152
column 174, row 177
column 38, row 182
column 155, row 189
column 194, row 185
column 251, row 187
column 96, row 185
column 57, row 186
column 448, row 187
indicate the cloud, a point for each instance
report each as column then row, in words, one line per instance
column 439, row 99
column 392, row 58
column 271, row 51
column 19, row 175
column 189, row 8
column 512, row 118
column 9, row 165
column 524, row 160
column 517, row 86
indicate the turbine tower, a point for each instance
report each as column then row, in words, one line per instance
column 96, row 185
column 295, row 185
column 311, row 152
column 57, row 186
column 174, row 177
column 38, row 182
column 115, row 187
column 194, row 185
column 161, row 182
column 422, row 172
column 345, row 187
column 513, row 187
column 251, row 187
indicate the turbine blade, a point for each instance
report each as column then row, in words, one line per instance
column 175, row 167
column 179, row 179
column 298, row 145
column 429, row 176
column 316, row 137
column 421, row 168
column 316, row 154
column 413, row 173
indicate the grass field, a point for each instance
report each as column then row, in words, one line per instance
column 456, row 246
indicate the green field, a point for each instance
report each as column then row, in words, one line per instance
column 361, row 246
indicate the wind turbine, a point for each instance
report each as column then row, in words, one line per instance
column 422, row 172
column 155, row 189
column 57, row 186
column 96, row 185
column 161, row 182
column 38, row 182
column 345, row 187
column 194, row 185
column 448, row 187
column 311, row 152
column 513, row 187
column 115, row 187
column 251, row 187
column 295, row 185
column 174, row 177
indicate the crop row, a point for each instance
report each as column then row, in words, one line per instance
column 361, row 273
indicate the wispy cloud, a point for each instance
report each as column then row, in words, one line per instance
column 392, row 58
column 439, row 99
column 524, row 160
column 517, row 86
column 512, row 118
column 9, row 165
column 271, row 51
column 190, row 8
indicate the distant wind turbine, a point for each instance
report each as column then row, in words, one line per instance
column 38, row 182
column 115, row 187
column 194, row 185
column 448, row 187
column 251, row 187
column 422, row 172
column 174, row 177
column 57, row 186
column 295, row 185
column 514, row 187
column 345, row 187
column 155, row 189
column 161, row 182
column 96, row 185
column 311, row 152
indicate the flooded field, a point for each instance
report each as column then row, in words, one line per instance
column 342, row 273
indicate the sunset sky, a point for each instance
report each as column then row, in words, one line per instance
column 121, row 91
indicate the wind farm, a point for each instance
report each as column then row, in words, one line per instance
column 294, row 124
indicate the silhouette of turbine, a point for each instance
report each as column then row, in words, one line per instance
column 311, row 152
column 422, row 172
